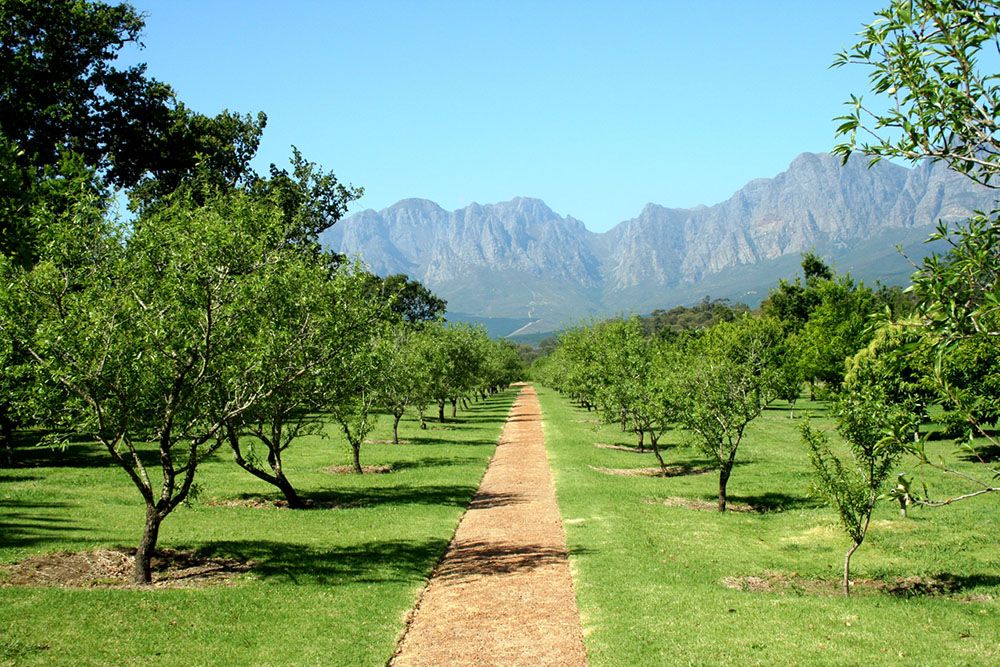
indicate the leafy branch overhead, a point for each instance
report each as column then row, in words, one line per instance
column 925, row 59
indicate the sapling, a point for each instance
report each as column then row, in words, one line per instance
column 854, row 485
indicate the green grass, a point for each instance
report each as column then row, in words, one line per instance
column 331, row 587
column 649, row 576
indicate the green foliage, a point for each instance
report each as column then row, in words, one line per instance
column 60, row 89
column 411, row 300
column 688, row 318
column 872, row 427
column 932, row 60
column 895, row 364
column 656, row 578
column 925, row 57
column 729, row 376
column 172, row 334
column 622, row 360
column 837, row 327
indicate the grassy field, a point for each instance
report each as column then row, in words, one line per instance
column 330, row 587
column 651, row 576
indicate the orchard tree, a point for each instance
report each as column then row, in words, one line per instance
column 74, row 123
column 896, row 365
column 142, row 341
column 501, row 367
column 622, row 360
column 355, row 385
column 580, row 376
column 405, row 375
column 657, row 406
column 728, row 379
column 789, row 374
column 315, row 318
column 872, row 427
column 450, row 354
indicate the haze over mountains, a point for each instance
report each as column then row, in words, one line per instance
column 529, row 268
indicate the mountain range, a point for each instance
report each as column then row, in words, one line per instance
column 519, row 267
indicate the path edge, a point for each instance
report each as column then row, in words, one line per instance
column 412, row 613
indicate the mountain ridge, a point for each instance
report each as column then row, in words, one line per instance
column 520, row 259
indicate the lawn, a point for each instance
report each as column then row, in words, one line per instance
column 330, row 586
column 651, row 576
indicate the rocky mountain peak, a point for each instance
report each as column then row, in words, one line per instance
column 518, row 257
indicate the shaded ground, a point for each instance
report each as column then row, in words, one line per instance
column 785, row 582
column 112, row 568
column 502, row 594
column 669, row 471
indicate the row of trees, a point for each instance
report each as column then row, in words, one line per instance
column 869, row 351
column 715, row 380
column 886, row 356
column 212, row 318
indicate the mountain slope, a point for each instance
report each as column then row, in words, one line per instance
column 521, row 260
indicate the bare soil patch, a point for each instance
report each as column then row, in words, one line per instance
column 368, row 470
column 503, row 593
column 669, row 471
column 402, row 441
column 700, row 505
column 112, row 568
column 790, row 582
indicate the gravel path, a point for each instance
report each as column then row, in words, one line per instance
column 503, row 594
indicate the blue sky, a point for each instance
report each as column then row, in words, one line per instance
column 595, row 107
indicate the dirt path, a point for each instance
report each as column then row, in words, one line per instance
column 503, row 595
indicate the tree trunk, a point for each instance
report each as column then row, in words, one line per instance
column 847, row 568
column 396, row 416
column 654, row 442
column 356, row 455
column 441, row 411
column 454, row 408
column 7, row 437
column 291, row 495
column 142, row 573
column 642, row 439
column 277, row 479
column 724, row 473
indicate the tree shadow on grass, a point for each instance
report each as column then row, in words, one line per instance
column 397, row 494
column 777, row 502
column 983, row 453
column 379, row 561
column 434, row 462
column 83, row 454
column 25, row 524
column 943, row 583
column 367, row 562
column 427, row 440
